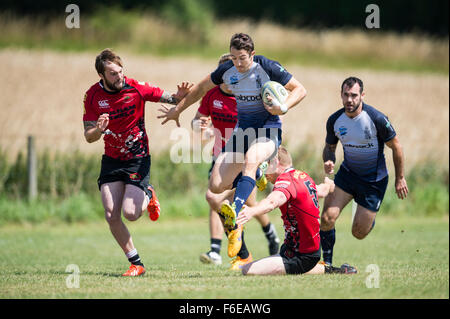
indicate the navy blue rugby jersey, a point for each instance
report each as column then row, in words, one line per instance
column 362, row 138
column 246, row 87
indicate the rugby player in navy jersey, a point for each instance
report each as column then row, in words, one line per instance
column 363, row 175
column 258, row 131
column 217, row 115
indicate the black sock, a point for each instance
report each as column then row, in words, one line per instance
column 327, row 240
column 243, row 253
column 133, row 257
column 216, row 245
column 270, row 232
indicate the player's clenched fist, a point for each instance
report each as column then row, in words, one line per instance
column 328, row 166
column 103, row 121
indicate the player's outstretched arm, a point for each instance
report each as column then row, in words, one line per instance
column 195, row 94
column 401, row 188
column 268, row 204
column 325, row 188
column 183, row 90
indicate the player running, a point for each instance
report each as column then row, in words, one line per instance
column 218, row 107
column 363, row 175
column 296, row 194
column 258, row 132
column 114, row 109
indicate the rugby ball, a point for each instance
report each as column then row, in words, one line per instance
column 276, row 91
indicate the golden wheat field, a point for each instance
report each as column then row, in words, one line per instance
column 42, row 94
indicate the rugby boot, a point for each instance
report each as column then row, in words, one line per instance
column 344, row 269
column 228, row 213
column 261, row 182
column 134, row 271
column 235, row 241
column 238, row 262
column 153, row 207
column 211, row 257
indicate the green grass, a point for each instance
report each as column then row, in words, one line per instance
column 411, row 253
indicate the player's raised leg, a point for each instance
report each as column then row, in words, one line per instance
column 333, row 205
column 257, row 153
column 135, row 202
column 363, row 222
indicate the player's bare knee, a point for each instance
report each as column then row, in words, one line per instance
column 327, row 220
column 111, row 217
column 215, row 188
column 358, row 233
column 131, row 214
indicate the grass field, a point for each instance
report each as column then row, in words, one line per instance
column 411, row 254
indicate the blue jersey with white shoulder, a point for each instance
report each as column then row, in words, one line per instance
column 362, row 138
column 246, row 87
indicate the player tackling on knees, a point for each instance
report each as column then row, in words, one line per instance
column 296, row 194
column 114, row 109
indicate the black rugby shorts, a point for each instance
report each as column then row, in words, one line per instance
column 135, row 172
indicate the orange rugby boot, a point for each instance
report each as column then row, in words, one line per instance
column 134, row 271
column 153, row 207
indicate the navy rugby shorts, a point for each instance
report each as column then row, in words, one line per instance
column 367, row 194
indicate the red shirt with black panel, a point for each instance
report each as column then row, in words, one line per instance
column 125, row 137
column 301, row 212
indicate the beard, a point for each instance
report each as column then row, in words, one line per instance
column 114, row 87
column 349, row 108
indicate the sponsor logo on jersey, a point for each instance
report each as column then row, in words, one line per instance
column 234, row 79
column 127, row 99
column 249, row 98
column 103, row 104
column 342, row 131
column 368, row 145
column 218, row 104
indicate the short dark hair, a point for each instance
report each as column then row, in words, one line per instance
column 350, row 81
column 241, row 41
column 224, row 58
column 107, row 55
